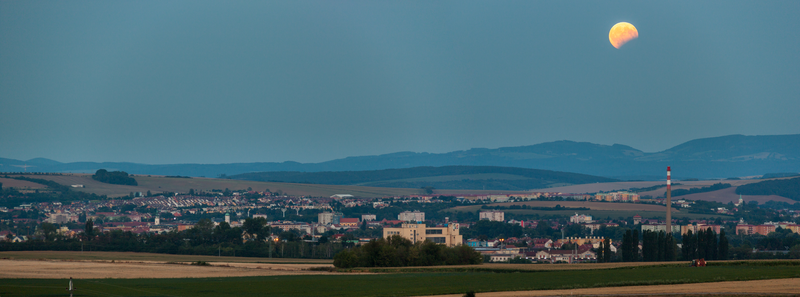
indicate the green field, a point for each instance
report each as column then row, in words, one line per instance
column 400, row 284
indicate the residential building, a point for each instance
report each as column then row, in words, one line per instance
column 348, row 222
column 755, row 229
column 329, row 218
column 580, row 219
column 617, row 196
column 593, row 240
column 411, row 216
column 660, row 227
column 493, row 215
column 698, row 227
column 568, row 256
column 447, row 235
column 368, row 217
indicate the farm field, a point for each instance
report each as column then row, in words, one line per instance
column 149, row 257
column 158, row 184
column 405, row 284
column 586, row 204
column 20, row 184
column 614, row 214
column 722, row 196
column 618, row 186
column 597, row 209
column 729, row 195
column 789, row 286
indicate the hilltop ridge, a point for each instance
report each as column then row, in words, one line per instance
column 715, row 157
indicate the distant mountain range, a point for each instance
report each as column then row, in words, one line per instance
column 717, row 157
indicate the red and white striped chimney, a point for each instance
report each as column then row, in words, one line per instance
column 669, row 183
column 669, row 202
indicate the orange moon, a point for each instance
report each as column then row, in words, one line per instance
column 622, row 33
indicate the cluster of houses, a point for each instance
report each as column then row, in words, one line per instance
column 540, row 249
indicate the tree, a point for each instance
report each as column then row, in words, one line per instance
column 89, row 229
column 687, row 246
column 662, row 245
column 671, row 248
column 256, row 227
column 607, row 250
column 627, row 246
column 722, row 248
column 635, row 248
column 49, row 231
column 600, row 250
column 794, row 252
column 712, row 244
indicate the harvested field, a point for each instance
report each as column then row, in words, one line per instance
column 60, row 269
column 729, row 195
column 20, row 184
column 789, row 286
column 617, row 186
column 158, row 184
column 576, row 204
column 148, row 257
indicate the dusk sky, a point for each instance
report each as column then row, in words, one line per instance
column 163, row 82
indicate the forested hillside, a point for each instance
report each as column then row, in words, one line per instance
column 789, row 188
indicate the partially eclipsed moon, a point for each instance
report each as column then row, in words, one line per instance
column 622, row 33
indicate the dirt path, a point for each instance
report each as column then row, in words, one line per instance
column 145, row 269
column 789, row 286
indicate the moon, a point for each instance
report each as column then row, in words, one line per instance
column 622, row 33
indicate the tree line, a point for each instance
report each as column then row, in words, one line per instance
column 253, row 239
column 789, row 188
column 714, row 187
column 114, row 177
column 397, row 251
column 660, row 246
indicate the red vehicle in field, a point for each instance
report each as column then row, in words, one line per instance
column 698, row 262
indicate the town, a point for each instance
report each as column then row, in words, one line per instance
column 494, row 229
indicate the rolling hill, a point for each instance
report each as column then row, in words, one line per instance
column 717, row 157
column 446, row 177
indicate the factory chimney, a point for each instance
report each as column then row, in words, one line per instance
column 669, row 202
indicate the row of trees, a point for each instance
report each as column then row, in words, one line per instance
column 705, row 244
column 660, row 246
column 397, row 251
column 604, row 251
column 250, row 240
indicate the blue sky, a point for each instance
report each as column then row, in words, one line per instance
column 262, row 81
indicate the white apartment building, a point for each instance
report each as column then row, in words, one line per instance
column 412, row 216
column 498, row 216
